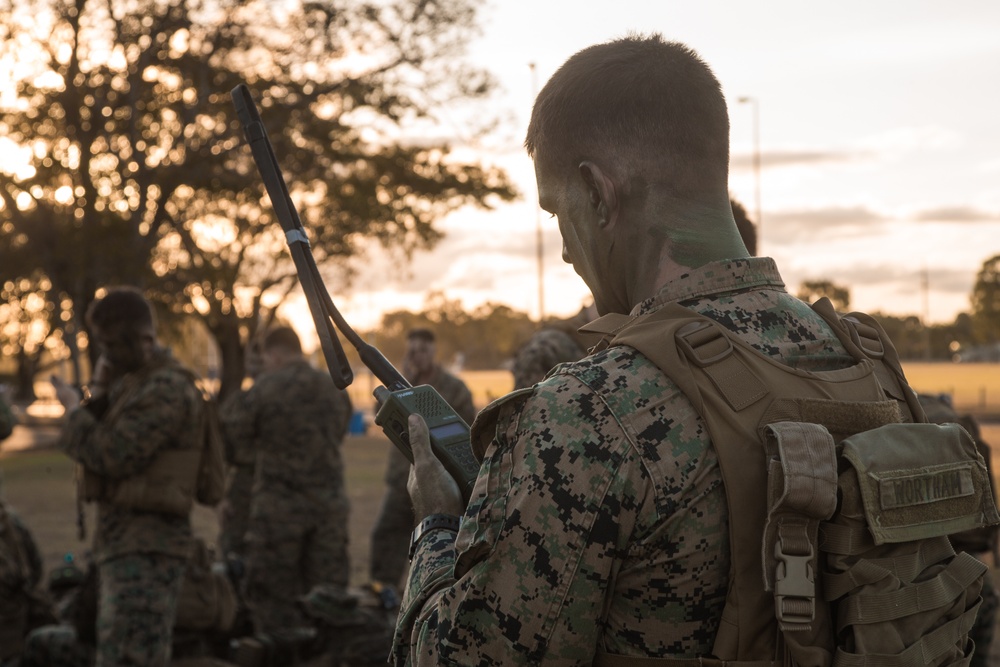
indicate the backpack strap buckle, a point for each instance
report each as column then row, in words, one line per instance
column 794, row 586
column 801, row 492
column 703, row 343
column 707, row 346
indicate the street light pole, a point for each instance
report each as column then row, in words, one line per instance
column 756, row 169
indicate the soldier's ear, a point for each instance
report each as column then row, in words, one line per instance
column 602, row 193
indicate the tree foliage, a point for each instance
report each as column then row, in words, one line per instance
column 986, row 301
column 485, row 338
column 813, row 290
column 135, row 169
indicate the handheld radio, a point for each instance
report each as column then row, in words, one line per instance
column 397, row 399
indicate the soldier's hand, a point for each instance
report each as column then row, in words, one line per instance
column 432, row 488
column 65, row 393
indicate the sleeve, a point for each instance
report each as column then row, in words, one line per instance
column 236, row 417
column 152, row 419
column 538, row 544
column 30, row 550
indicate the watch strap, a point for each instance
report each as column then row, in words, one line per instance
column 433, row 522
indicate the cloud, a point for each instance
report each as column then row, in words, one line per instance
column 892, row 144
column 956, row 214
column 790, row 226
column 793, row 157
column 903, row 279
column 903, row 140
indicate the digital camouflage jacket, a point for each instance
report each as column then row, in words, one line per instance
column 599, row 518
column 161, row 412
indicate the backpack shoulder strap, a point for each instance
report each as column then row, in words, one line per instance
column 697, row 338
column 738, row 392
column 864, row 337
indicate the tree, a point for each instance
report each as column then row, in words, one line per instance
column 812, row 290
column 31, row 329
column 986, row 301
column 136, row 171
column 484, row 338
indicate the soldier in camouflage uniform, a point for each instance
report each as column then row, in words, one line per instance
column 598, row 524
column 391, row 535
column 544, row 350
column 294, row 420
column 234, row 512
column 22, row 605
column 142, row 405
column 558, row 342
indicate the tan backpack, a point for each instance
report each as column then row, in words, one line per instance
column 176, row 478
column 839, row 513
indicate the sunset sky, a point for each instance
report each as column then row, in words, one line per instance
column 878, row 132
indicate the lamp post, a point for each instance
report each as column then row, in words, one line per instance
column 756, row 169
column 538, row 220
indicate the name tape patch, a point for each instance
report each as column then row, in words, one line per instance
column 925, row 488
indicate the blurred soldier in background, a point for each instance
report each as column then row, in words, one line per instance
column 234, row 512
column 979, row 542
column 391, row 535
column 133, row 436
column 558, row 342
column 294, row 420
column 7, row 419
column 23, row 606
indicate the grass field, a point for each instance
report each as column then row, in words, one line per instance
column 974, row 387
column 39, row 485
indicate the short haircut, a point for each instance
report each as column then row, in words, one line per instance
column 283, row 338
column 121, row 307
column 421, row 333
column 647, row 110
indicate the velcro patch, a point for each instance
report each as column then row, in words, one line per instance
column 919, row 481
column 928, row 487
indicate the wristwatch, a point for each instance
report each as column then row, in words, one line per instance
column 433, row 522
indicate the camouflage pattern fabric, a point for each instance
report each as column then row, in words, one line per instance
column 135, row 619
column 294, row 420
column 56, row 646
column 599, row 518
column 136, row 609
column 234, row 511
column 391, row 536
column 7, row 419
column 544, row 351
column 161, row 413
column 20, row 560
column 140, row 554
column 22, row 605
